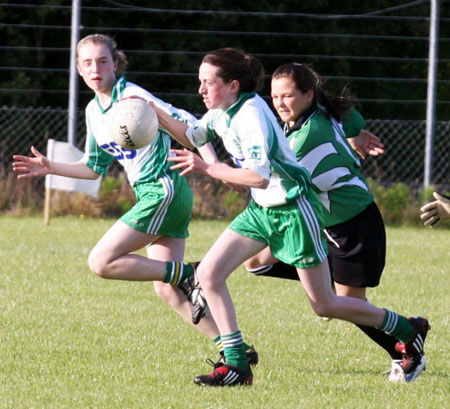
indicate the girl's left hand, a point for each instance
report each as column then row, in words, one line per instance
column 366, row 143
column 188, row 161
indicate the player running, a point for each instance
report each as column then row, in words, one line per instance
column 159, row 220
column 285, row 213
column 353, row 224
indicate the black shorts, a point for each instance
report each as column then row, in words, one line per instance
column 357, row 251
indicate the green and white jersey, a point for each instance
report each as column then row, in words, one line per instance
column 146, row 164
column 319, row 143
column 252, row 135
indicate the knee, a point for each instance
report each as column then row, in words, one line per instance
column 323, row 309
column 207, row 277
column 97, row 265
column 252, row 264
column 164, row 291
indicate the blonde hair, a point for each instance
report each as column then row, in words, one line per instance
column 118, row 56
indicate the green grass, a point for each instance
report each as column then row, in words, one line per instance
column 71, row 340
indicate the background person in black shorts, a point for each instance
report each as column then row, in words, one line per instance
column 354, row 226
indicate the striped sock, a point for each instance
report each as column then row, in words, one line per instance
column 234, row 350
column 396, row 325
column 218, row 342
column 177, row 272
column 219, row 345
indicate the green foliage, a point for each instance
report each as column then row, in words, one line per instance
column 379, row 49
column 233, row 202
column 397, row 203
column 215, row 200
column 70, row 340
column 426, row 194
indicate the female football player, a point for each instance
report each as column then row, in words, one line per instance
column 159, row 220
column 353, row 224
column 285, row 213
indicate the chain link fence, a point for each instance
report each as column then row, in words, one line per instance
column 403, row 161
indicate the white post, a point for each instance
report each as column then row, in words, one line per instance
column 431, row 92
column 73, row 85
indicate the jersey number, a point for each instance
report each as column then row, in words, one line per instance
column 117, row 151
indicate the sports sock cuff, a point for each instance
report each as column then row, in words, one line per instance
column 389, row 321
column 232, row 340
column 218, row 342
column 396, row 325
column 176, row 272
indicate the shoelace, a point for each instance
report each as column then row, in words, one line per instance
column 215, row 365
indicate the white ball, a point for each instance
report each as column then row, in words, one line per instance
column 132, row 123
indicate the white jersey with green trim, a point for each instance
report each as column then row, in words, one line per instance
column 146, row 164
column 252, row 135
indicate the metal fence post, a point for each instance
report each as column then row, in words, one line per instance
column 73, row 85
column 431, row 92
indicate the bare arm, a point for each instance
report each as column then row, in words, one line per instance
column 40, row 165
column 176, row 128
column 208, row 153
column 189, row 162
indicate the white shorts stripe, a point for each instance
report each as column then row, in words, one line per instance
column 158, row 218
column 313, row 226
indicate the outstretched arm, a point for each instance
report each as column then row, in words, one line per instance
column 176, row 128
column 188, row 161
column 366, row 143
column 40, row 165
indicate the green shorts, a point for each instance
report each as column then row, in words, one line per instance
column 163, row 208
column 294, row 231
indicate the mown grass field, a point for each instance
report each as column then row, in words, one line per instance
column 71, row 340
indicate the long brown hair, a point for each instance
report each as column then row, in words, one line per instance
column 306, row 78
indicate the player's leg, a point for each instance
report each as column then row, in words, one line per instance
column 264, row 264
column 411, row 332
column 386, row 341
column 316, row 281
column 168, row 249
column 111, row 257
column 357, row 253
column 227, row 253
column 163, row 209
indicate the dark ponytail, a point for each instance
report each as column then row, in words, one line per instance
column 305, row 79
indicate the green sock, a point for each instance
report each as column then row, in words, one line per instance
column 396, row 325
column 234, row 350
column 218, row 342
column 177, row 272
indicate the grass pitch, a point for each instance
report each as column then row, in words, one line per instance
column 71, row 340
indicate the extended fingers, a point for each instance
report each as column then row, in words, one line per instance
column 432, row 221
column 429, row 207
